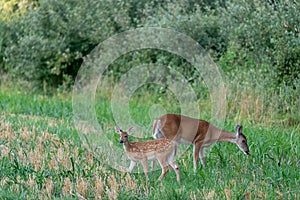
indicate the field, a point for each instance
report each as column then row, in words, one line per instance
column 42, row 157
column 70, row 71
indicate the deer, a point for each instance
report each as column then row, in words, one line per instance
column 200, row 133
column 163, row 150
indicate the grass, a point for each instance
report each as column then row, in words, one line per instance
column 42, row 157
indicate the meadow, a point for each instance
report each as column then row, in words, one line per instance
column 43, row 157
column 45, row 43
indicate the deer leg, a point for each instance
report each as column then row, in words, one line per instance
column 145, row 167
column 163, row 173
column 196, row 156
column 164, row 169
column 152, row 165
column 176, row 169
column 202, row 156
column 132, row 165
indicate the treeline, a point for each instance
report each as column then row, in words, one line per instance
column 45, row 41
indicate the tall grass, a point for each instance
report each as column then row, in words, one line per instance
column 43, row 157
column 267, row 108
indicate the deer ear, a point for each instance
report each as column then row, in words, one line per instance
column 118, row 130
column 238, row 130
column 130, row 130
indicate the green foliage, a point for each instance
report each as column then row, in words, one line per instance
column 52, row 39
column 48, row 42
column 36, row 164
column 266, row 38
column 3, row 44
column 255, row 43
column 10, row 12
column 206, row 27
column 15, row 8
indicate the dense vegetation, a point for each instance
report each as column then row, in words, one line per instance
column 49, row 40
column 255, row 44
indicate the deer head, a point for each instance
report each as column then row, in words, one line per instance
column 123, row 134
column 241, row 140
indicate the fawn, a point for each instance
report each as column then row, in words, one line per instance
column 163, row 150
column 200, row 133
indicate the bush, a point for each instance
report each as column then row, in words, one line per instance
column 266, row 38
column 46, row 45
column 52, row 39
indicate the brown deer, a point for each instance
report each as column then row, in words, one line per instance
column 163, row 150
column 200, row 133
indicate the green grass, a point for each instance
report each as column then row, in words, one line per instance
column 42, row 157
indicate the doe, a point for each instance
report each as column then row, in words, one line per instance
column 200, row 133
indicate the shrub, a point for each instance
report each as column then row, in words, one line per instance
column 267, row 36
column 46, row 45
column 52, row 39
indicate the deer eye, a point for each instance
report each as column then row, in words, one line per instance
column 243, row 141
